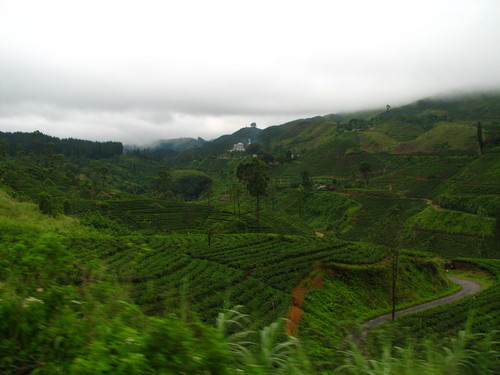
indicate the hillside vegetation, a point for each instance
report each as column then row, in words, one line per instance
column 189, row 256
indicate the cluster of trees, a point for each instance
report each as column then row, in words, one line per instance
column 254, row 175
column 189, row 184
column 41, row 144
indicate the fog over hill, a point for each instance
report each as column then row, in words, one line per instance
column 197, row 69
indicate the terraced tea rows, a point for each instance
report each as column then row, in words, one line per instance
column 256, row 270
column 452, row 222
column 148, row 213
column 453, row 245
column 374, row 209
column 155, row 215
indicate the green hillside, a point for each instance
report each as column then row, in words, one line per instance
column 191, row 258
column 443, row 137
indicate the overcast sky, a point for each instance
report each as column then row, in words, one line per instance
column 138, row 71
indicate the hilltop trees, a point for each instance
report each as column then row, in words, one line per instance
column 40, row 144
column 254, row 176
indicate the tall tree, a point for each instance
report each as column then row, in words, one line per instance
column 208, row 194
column 162, row 185
column 306, row 179
column 493, row 248
column 480, row 140
column 97, row 173
column 300, row 195
column 365, row 169
column 272, row 192
column 254, row 175
column 391, row 233
column 4, row 146
column 236, row 191
column 48, row 204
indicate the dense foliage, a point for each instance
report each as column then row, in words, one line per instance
column 41, row 144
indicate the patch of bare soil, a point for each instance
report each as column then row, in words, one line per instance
column 295, row 312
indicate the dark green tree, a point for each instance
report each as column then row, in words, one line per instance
column 272, row 193
column 254, row 175
column 306, row 179
column 208, row 194
column 493, row 248
column 190, row 183
column 300, row 195
column 4, row 146
column 479, row 133
column 365, row 169
column 267, row 158
column 37, row 142
column 97, row 173
column 162, row 185
column 48, row 204
column 236, row 191
column 253, row 148
column 20, row 152
column 391, row 233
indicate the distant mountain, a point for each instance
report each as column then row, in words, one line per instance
column 178, row 144
column 431, row 125
column 168, row 147
column 471, row 106
column 224, row 143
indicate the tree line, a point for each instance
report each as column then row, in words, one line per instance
column 41, row 144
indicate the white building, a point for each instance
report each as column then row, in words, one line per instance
column 238, row 147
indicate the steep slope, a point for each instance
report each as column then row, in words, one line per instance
column 434, row 126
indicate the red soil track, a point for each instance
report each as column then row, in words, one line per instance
column 314, row 280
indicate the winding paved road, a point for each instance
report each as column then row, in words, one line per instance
column 468, row 287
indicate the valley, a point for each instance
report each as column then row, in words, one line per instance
column 193, row 257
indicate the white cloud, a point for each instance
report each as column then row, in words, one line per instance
column 142, row 70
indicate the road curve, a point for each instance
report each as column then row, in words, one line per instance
column 468, row 287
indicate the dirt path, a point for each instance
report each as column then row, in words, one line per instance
column 433, row 204
column 468, row 287
column 314, row 280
